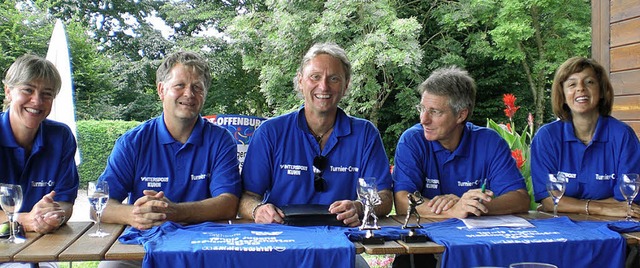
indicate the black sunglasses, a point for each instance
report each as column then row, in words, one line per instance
column 319, row 183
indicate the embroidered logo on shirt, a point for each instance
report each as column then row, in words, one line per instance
column 568, row 175
column 344, row 169
column 293, row 169
column 199, row 177
column 154, row 181
column 431, row 183
column 49, row 183
column 605, row 177
column 468, row 183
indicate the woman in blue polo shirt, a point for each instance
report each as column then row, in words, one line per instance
column 37, row 153
column 586, row 144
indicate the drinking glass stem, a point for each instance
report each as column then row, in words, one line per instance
column 629, row 209
column 99, row 215
column 555, row 209
column 11, row 227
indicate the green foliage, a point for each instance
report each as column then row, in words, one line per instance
column 95, row 141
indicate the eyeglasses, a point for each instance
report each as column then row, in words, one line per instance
column 432, row 112
column 319, row 183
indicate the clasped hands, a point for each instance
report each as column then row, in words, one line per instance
column 152, row 209
column 472, row 202
column 345, row 210
column 46, row 215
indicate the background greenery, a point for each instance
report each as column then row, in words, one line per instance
column 254, row 47
column 96, row 140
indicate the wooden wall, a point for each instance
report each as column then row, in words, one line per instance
column 616, row 45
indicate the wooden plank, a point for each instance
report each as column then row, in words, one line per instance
column 88, row 248
column 600, row 32
column 625, row 32
column 119, row 251
column 49, row 246
column 625, row 58
column 635, row 125
column 626, row 107
column 429, row 247
column 624, row 9
column 626, row 82
column 389, row 247
column 359, row 247
column 7, row 251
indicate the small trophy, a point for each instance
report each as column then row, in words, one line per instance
column 368, row 195
column 415, row 199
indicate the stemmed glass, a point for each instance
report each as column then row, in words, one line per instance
column 98, row 194
column 629, row 189
column 556, row 187
column 11, row 201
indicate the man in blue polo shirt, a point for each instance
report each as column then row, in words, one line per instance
column 448, row 159
column 176, row 167
column 316, row 154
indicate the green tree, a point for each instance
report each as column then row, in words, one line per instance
column 536, row 36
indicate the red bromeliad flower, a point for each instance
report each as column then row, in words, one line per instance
column 510, row 101
column 517, row 155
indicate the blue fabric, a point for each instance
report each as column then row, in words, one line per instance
column 147, row 157
column 426, row 166
column 280, row 160
column 242, row 245
column 559, row 241
column 51, row 165
column 592, row 169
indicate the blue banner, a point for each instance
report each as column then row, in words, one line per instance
column 241, row 126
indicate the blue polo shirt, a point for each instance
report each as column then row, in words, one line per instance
column 51, row 165
column 593, row 169
column 426, row 166
column 148, row 158
column 280, row 160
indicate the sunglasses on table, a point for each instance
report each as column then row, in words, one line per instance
column 319, row 183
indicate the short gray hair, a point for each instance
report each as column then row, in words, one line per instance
column 455, row 83
column 331, row 49
column 28, row 68
column 190, row 59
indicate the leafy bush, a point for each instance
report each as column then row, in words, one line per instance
column 96, row 140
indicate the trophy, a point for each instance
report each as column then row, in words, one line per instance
column 368, row 195
column 415, row 199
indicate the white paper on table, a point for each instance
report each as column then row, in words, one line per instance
column 496, row 221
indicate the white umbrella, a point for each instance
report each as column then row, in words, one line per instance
column 63, row 109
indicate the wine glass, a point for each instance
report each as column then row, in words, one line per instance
column 629, row 189
column 11, row 201
column 98, row 194
column 556, row 187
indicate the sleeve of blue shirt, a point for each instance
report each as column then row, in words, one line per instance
column 629, row 157
column 257, row 170
column 411, row 153
column 120, row 169
column 544, row 158
column 375, row 161
column 504, row 175
column 225, row 177
column 67, row 178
